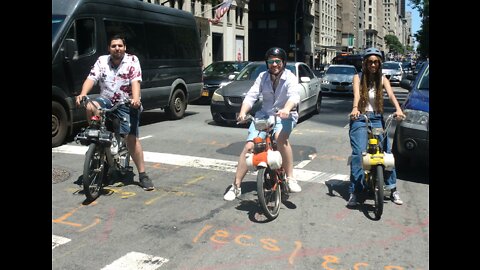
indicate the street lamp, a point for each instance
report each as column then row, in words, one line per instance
column 295, row 31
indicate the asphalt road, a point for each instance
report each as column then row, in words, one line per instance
column 185, row 223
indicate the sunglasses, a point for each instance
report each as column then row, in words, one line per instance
column 376, row 62
column 276, row 61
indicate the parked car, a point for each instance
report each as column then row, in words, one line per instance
column 227, row 100
column 217, row 74
column 338, row 79
column 393, row 71
column 410, row 141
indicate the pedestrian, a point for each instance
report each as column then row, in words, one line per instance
column 280, row 89
column 368, row 93
column 119, row 75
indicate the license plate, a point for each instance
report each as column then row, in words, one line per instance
column 204, row 93
column 340, row 88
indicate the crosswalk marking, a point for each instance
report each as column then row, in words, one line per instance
column 208, row 163
column 136, row 260
column 58, row 240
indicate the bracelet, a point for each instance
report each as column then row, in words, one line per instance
column 355, row 107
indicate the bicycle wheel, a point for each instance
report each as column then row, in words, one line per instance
column 268, row 193
column 93, row 171
column 378, row 191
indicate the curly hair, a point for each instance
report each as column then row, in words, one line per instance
column 367, row 81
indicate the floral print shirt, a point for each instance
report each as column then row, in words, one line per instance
column 115, row 82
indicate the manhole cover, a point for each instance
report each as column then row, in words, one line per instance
column 59, row 175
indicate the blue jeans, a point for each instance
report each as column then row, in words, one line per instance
column 358, row 142
column 128, row 116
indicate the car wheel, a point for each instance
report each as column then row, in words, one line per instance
column 177, row 106
column 59, row 124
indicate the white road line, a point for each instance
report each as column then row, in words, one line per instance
column 145, row 137
column 136, row 260
column 207, row 163
column 58, row 240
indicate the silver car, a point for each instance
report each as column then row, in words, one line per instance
column 393, row 71
column 338, row 79
column 227, row 100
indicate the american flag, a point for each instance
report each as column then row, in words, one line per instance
column 221, row 10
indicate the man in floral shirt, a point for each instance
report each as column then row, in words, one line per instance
column 119, row 75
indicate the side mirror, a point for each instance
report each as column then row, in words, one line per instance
column 304, row 79
column 406, row 83
column 231, row 76
column 70, row 49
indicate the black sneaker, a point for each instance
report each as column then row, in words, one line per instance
column 146, row 183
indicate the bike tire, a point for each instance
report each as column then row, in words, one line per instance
column 269, row 194
column 379, row 180
column 93, row 171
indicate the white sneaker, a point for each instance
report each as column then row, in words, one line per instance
column 293, row 185
column 232, row 193
column 395, row 196
column 353, row 200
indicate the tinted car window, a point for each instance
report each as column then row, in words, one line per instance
column 222, row 68
column 340, row 70
column 391, row 66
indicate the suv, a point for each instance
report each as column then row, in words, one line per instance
column 410, row 141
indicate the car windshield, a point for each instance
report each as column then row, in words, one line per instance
column 341, row 70
column 223, row 68
column 251, row 72
column 390, row 66
column 57, row 21
column 423, row 82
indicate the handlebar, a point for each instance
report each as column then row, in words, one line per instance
column 390, row 116
column 86, row 99
column 249, row 117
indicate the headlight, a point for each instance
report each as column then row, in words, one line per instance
column 325, row 81
column 416, row 117
column 217, row 97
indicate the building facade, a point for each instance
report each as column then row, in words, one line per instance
column 310, row 31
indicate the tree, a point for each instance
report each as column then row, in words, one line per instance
column 394, row 44
column 422, row 36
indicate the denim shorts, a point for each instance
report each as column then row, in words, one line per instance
column 282, row 125
column 129, row 117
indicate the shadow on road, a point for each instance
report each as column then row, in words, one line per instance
column 300, row 152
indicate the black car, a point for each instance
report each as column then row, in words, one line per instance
column 217, row 74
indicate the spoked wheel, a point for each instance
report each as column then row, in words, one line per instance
column 94, row 171
column 378, row 191
column 269, row 193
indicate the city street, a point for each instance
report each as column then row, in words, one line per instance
column 185, row 223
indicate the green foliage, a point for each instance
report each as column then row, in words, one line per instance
column 394, row 44
column 422, row 36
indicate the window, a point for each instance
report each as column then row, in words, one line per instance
column 83, row 31
column 134, row 36
column 170, row 42
column 239, row 15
